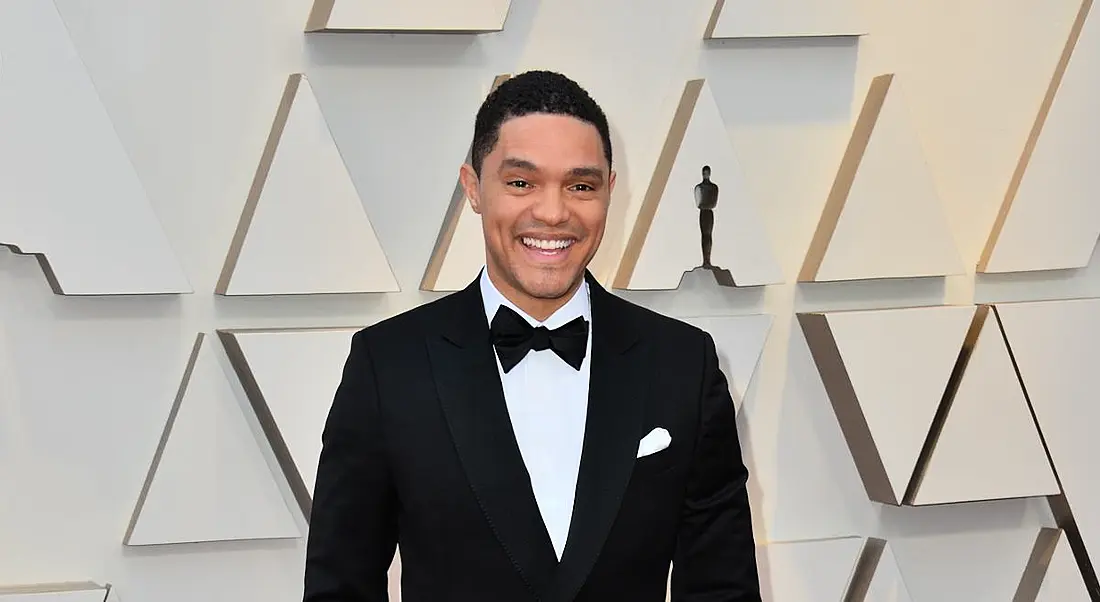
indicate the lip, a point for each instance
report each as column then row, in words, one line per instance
column 547, row 256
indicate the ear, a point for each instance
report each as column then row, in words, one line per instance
column 471, row 186
column 611, row 183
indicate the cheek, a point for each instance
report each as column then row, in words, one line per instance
column 593, row 216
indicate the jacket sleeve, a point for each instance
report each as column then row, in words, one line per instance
column 353, row 523
column 715, row 556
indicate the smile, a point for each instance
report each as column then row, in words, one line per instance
column 547, row 248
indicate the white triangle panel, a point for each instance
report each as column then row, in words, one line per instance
column 54, row 592
column 666, row 240
column 1053, row 220
column 456, row 16
column 1055, row 344
column 898, row 362
column 802, row 571
column 989, row 447
column 1062, row 581
column 210, row 480
column 304, row 229
column 460, row 251
column 740, row 341
column 887, row 583
column 68, row 189
column 889, row 219
column 297, row 372
column 464, row 255
column 785, row 19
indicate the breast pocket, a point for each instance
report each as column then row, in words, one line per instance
column 659, row 454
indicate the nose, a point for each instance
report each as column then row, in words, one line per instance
column 551, row 208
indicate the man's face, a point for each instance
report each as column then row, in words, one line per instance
column 543, row 197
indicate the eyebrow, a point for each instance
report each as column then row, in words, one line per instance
column 588, row 171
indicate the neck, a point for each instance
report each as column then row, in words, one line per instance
column 537, row 308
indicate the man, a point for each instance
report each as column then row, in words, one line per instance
column 513, row 456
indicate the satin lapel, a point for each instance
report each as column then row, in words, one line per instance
column 616, row 399
column 473, row 402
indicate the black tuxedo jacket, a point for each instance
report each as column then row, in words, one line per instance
column 418, row 449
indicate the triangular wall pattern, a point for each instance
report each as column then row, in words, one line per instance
column 1050, row 216
column 460, row 247
column 886, row 372
column 291, row 377
column 797, row 571
column 93, row 230
column 666, row 239
column 883, row 217
column 209, row 480
column 303, row 229
column 54, row 592
column 408, row 16
column 987, row 447
column 1052, row 574
column 784, row 19
column 886, row 582
column 1055, row 345
column 740, row 341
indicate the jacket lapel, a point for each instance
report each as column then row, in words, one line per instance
column 616, row 401
column 473, row 403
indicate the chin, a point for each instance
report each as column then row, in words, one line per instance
column 543, row 283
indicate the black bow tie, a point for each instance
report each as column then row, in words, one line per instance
column 513, row 337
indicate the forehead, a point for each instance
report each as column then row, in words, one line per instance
column 550, row 140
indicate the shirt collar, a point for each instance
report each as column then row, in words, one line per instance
column 578, row 305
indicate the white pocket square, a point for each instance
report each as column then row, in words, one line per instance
column 655, row 441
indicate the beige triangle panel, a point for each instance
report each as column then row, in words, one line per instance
column 303, row 229
column 408, row 16
column 70, row 194
column 784, row 19
column 697, row 213
column 459, row 250
column 883, row 217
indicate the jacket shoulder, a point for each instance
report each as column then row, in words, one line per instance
column 411, row 321
column 664, row 326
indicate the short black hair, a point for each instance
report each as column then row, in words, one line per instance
column 534, row 92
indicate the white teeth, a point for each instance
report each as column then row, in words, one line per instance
column 546, row 245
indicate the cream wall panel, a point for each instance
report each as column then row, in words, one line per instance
column 304, row 229
column 886, row 372
column 459, row 250
column 988, row 447
column 799, row 571
column 407, row 16
column 1062, row 581
column 1050, row 217
column 209, row 480
column 887, row 583
column 54, row 592
column 976, row 73
column 785, row 18
column 1055, row 345
column 68, row 191
column 740, row 341
column 1052, row 574
column 291, row 377
column 883, row 217
column 665, row 241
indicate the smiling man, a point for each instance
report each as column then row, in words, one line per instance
column 533, row 437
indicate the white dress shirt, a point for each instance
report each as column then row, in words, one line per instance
column 548, row 404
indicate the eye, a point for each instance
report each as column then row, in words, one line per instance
column 518, row 183
column 583, row 188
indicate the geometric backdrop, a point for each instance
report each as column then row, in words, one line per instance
column 204, row 201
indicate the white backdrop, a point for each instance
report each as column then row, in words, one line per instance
column 174, row 116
